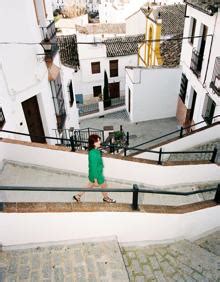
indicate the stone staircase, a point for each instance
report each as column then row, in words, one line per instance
column 178, row 261
column 199, row 156
column 108, row 262
column 91, row 261
column 14, row 173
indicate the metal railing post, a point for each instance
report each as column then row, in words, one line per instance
column 181, row 132
column 127, row 139
column 135, row 198
column 125, row 151
column 214, row 153
column 217, row 195
column 160, row 157
column 72, row 143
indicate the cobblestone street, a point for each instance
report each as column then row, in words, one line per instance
column 180, row 261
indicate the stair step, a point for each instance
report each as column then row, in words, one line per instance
column 211, row 243
column 91, row 261
column 29, row 175
column 179, row 261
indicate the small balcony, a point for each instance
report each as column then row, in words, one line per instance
column 196, row 62
column 49, row 42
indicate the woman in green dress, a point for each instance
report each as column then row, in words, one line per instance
column 96, row 177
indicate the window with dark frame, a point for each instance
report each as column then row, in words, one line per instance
column 208, row 110
column 71, row 94
column 95, row 67
column 97, row 90
column 113, row 65
column 2, row 118
column 183, row 87
column 192, row 31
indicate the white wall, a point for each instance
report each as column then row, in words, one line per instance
column 23, row 72
column 136, row 24
column 72, row 119
column 154, row 92
column 18, row 22
column 133, row 172
column 36, row 228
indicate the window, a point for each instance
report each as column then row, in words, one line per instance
column 2, row 118
column 192, row 30
column 97, row 90
column 183, row 87
column 208, row 109
column 95, row 67
column 113, row 68
column 71, row 94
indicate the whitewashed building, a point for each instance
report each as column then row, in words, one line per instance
column 116, row 11
column 111, row 55
column 199, row 97
column 152, row 86
column 33, row 99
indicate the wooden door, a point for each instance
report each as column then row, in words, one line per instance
column 33, row 120
column 114, row 90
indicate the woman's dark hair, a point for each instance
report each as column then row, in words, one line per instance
column 92, row 140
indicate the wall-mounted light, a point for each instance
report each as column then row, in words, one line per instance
column 47, row 45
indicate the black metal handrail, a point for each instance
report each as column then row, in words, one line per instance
column 73, row 143
column 180, row 131
column 135, row 190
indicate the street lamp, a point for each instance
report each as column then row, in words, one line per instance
column 46, row 44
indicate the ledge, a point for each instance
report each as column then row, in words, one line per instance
column 102, row 207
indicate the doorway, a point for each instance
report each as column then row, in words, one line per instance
column 33, row 120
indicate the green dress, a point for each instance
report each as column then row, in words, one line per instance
column 96, row 166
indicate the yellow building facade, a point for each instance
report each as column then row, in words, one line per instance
column 149, row 51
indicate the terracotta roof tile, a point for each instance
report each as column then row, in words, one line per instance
column 123, row 46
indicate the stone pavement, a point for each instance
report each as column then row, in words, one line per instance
column 178, row 261
column 106, row 261
column 139, row 132
column 94, row 261
column 27, row 175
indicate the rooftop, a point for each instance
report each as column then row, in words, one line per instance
column 123, row 46
column 172, row 17
column 209, row 7
column 170, row 52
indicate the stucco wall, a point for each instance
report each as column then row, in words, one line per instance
column 154, row 92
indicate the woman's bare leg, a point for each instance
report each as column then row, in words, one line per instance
column 103, row 186
column 89, row 185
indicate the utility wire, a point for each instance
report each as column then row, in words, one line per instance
column 110, row 41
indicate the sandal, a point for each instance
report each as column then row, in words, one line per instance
column 109, row 200
column 77, row 199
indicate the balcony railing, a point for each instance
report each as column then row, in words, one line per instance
column 196, row 62
column 114, row 102
column 50, row 31
column 49, row 34
column 88, row 109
